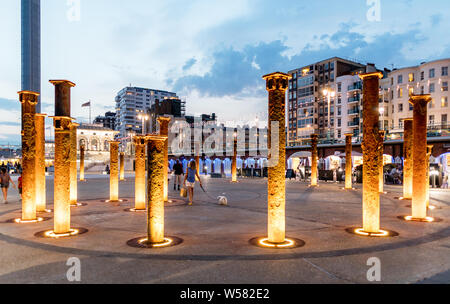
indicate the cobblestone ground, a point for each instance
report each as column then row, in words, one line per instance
column 216, row 245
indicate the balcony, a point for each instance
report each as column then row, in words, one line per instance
column 356, row 86
column 353, row 124
column 354, row 99
column 354, row 111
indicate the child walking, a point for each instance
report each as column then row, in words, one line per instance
column 189, row 180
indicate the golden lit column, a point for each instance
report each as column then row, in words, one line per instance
column 114, row 171
column 314, row 158
column 40, row 163
column 62, row 124
column 371, row 153
column 82, row 148
column 381, row 160
column 276, row 85
column 28, row 100
column 234, row 161
column 348, row 162
column 429, row 152
column 197, row 159
column 164, row 131
column 139, row 181
column 155, row 188
column 122, row 166
column 408, row 158
column 420, row 161
column 73, row 165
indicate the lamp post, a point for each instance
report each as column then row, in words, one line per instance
column 144, row 118
column 329, row 94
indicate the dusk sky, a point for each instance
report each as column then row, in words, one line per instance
column 213, row 53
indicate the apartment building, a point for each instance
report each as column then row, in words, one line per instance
column 312, row 99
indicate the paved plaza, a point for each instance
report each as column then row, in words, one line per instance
column 216, row 247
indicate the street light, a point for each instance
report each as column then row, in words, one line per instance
column 144, row 118
column 329, row 94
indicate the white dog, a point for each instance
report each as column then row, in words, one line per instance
column 223, row 201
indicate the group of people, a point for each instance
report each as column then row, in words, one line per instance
column 5, row 181
column 190, row 177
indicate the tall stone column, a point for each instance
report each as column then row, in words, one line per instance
column 73, row 165
column 139, row 182
column 164, row 131
column 408, row 158
column 62, row 123
column 420, row 162
column 28, row 100
column 314, row 159
column 234, row 161
column 348, row 161
column 381, row 160
column 122, row 166
column 155, row 188
column 276, row 85
column 114, row 171
column 40, row 163
column 82, row 149
column 429, row 152
column 371, row 152
column 197, row 159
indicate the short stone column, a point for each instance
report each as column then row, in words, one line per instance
column 155, row 188
column 314, row 159
column 28, row 100
column 41, row 196
column 114, row 171
column 381, row 160
column 73, row 165
column 62, row 123
column 420, row 161
column 348, row 162
column 234, row 160
column 408, row 158
column 371, row 152
column 276, row 85
column 122, row 166
column 139, row 182
column 82, row 149
column 164, row 131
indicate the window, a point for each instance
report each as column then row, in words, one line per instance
column 400, row 123
column 444, row 102
column 411, row 107
column 431, row 119
column 431, row 74
column 411, row 91
column 432, row 88
column 444, row 71
column 422, row 75
column 400, row 93
column 432, row 103
column 393, row 109
column 339, row 85
column 411, row 77
column 445, row 86
column 422, row 90
column 339, row 122
column 444, row 119
column 400, row 79
column 392, row 81
column 339, row 133
column 400, row 107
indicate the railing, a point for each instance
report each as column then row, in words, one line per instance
column 354, row 99
column 353, row 111
column 357, row 86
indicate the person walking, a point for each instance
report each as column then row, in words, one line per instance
column 5, row 179
column 189, row 180
column 178, row 170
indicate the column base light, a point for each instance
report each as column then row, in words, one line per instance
column 135, row 210
column 20, row 221
column 428, row 219
column 380, row 234
column 289, row 243
column 52, row 235
column 142, row 242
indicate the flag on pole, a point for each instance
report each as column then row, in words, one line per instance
column 87, row 104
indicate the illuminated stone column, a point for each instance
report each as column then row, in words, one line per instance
column 122, row 166
column 62, row 124
column 40, row 163
column 139, row 182
column 314, row 159
column 155, row 188
column 28, row 100
column 73, row 165
column 348, row 162
column 420, row 161
column 114, row 171
column 82, row 149
column 371, row 153
column 197, row 159
column 381, row 160
column 276, row 85
column 164, row 131
column 429, row 152
column 234, row 161
column 408, row 159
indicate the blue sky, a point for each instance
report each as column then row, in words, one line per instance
column 213, row 53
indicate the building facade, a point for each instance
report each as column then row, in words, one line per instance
column 31, row 47
column 133, row 105
column 311, row 100
column 107, row 121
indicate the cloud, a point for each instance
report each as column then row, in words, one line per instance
column 436, row 20
column 189, row 64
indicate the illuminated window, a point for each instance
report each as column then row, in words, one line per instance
column 400, row 93
column 444, row 102
column 411, row 91
column 411, row 77
column 445, row 86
